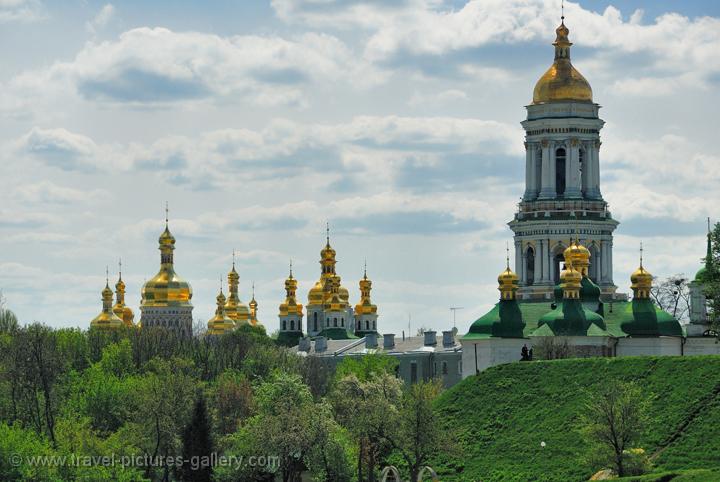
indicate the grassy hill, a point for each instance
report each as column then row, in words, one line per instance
column 500, row 417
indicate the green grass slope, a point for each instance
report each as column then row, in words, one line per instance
column 499, row 418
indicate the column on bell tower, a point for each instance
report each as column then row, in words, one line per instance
column 572, row 172
column 531, row 172
column 547, row 190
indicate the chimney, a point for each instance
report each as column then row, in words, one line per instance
column 448, row 338
column 320, row 344
column 389, row 341
column 304, row 344
column 371, row 340
column 430, row 338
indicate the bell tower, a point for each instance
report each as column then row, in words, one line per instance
column 562, row 198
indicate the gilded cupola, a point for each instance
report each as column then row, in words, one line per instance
column 570, row 280
column 321, row 292
column 365, row 305
column 220, row 323
column 235, row 309
column 562, row 82
column 578, row 255
column 166, row 288
column 507, row 282
column 641, row 280
column 120, row 309
column 253, row 308
column 107, row 320
column 290, row 306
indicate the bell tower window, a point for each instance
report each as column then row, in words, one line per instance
column 560, row 171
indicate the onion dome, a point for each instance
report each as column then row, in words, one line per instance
column 316, row 296
column 507, row 282
column 365, row 305
column 562, row 82
column 107, row 320
column 121, row 310
column 253, row 309
column 290, row 306
column 220, row 323
column 235, row 309
column 166, row 288
column 641, row 280
column 570, row 281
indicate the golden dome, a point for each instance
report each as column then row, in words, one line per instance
column 316, row 295
column 570, row 281
column 365, row 305
column 166, row 288
column 121, row 310
column 579, row 256
column 562, row 82
column 106, row 320
column 290, row 306
column 220, row 323
column 234, row 308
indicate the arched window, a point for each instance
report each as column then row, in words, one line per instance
column 367, row 324
column 560, row 171
column 444, row 368
column 315, row 326
column 335, row 322
column 292, row 325
column 374, row 325
column 284, row 325
column 342, row 322
column 530, row 266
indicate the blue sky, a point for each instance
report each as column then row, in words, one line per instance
column 396, row 121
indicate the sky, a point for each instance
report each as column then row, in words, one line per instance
column 396, row 121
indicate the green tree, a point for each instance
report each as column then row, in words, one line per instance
column 232, row 401
column 418, row 438
column 712, row 279
column 197, row 446
column 366, row 367
column 369, row 409
column 8, row 320
column 613, row 420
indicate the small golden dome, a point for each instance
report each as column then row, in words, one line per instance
column 166, row 238
column 220, row 323
column 570, row 281
column 508, row 283
column 562, row 82
column 316, row 294
column 641, row 278
column 107, row 320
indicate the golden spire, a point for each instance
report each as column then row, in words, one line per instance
column 562, row 82
column 121, row 310
column 253, row 308
column 107, row 320
column 234, row 308
column 166, row 288
column 641, row 279
column 220, row 323
column 365, row 305
column 507, row 280
column 290, row 306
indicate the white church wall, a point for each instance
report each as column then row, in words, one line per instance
column 652, row 346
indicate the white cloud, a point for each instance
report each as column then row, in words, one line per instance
column 101, row 19
column 49, row 192
column 155, row 66
column 21, row 11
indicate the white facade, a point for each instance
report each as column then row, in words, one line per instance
column 562, row 198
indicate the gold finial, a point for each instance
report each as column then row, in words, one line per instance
column 167, row 211
column 641, row 254
column 562, row 11
column 221, row 284
column 365, row 269
column 253, row 290
column 327, row 232
column 233, row 257
column 120, row 269
column 107, row 277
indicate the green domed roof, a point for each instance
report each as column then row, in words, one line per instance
column 504, row 320
column 571, row 318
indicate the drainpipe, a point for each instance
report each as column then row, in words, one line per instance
column 476, row 365
column 617, row 340
column 683, row 340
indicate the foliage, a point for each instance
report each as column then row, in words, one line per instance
column 612, row 420
column 366, row 367
column 712, row 279
column 500, row 417
column 197, row 446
